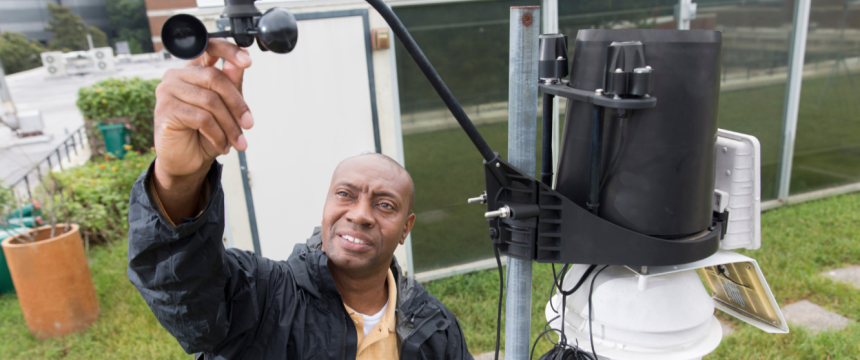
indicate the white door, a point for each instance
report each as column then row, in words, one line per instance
column 312, row 108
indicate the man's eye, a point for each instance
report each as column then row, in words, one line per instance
column 387, row 206
column 342, row 193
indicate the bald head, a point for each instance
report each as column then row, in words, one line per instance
column 388, row 168
column 368, row 213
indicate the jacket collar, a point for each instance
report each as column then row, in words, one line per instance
column 414, row 306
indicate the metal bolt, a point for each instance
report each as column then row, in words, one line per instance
column 618, row 70
column 479, row 200
column 725, row 149
column 599, row 91
column 492, row 233
column 728, row 173
column 648, row 67
column 503, row 212
column 498, row 164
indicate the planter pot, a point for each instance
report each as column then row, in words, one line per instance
column 53, row 281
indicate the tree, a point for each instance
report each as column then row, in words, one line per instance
column 70, row 31
column 17, row 53
column 129, row 23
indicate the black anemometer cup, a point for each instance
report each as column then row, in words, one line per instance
column 278, row 31
column 185, row 37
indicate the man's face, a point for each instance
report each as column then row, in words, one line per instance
column 367, row 214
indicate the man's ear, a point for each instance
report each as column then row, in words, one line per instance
column 410, row 221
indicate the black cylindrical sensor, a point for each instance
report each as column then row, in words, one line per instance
column 552, row 63
column 657, row 167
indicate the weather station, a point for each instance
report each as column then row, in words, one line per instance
column 647, row 195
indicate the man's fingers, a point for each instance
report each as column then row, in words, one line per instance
column 217, row 81
column 210, row 101
column 223, row 49
column 201, row 120
column 234, row 73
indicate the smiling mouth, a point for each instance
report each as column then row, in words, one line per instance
column 353, row 240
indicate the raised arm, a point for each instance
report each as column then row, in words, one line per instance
column 209, row 298
column 199, row 114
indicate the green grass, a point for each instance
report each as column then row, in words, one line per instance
column 798, row 242
column 126, row 328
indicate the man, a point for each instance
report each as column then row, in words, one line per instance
column 340, row 296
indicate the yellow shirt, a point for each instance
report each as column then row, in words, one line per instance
column 381, row 342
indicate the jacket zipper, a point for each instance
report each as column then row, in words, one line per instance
column 345, row 334
column 416, row 330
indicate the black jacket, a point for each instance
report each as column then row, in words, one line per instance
column 232, row 304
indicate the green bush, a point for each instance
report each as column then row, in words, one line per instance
column 114, row 98
column 17, row 53
column 97, row 194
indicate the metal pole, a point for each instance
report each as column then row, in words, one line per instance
column 27, row 183
column 522, row 144
column 683, row 14
column 59, row 159
column 549, row 21
column 792, row 96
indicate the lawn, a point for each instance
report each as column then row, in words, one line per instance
column 798, row 242
column 126, row 328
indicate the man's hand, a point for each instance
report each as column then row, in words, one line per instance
column 199, row 114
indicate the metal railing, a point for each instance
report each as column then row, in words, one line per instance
column 56, row 153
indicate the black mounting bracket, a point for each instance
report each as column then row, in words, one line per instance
column 544, row 226
column 597, row 98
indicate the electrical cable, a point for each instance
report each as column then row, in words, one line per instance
column 432, row 76
column 501, row 296
column 591, row 311
column 618, row 149
column 580, row 282
column 563, row 350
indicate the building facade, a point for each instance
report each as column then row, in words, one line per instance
column 31, row 16
column 158, row 11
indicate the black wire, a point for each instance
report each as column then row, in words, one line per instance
column 501, row 295
column 591, row 310
column 562, row 350
column 618, row 149
column 433, row 77
column 580, row 282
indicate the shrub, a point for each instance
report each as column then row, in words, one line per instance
column 70, row 31
column 113, row 98
column 97, row 194
column 17, row 53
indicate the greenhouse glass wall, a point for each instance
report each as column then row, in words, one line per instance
column 467, row 42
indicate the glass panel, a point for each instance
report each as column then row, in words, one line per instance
column 827, row 146
column 756, row 37
column 468, row 45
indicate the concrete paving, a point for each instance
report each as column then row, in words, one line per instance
column 813, row 317
column 55, row 98
column 849, row 275
column 728, row 329
column 490, row 356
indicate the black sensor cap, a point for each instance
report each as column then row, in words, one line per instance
column 553, row 56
